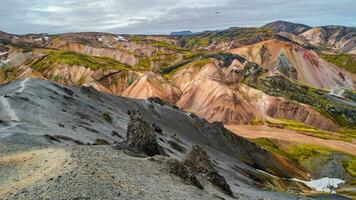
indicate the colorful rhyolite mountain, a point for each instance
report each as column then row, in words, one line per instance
column 280, row 85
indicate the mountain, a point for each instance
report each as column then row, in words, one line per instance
column 83, row 59
column 226, row 39
column 269, row 111
column 297, row 63
column 337, row 39
column 284, row 26
column 182, row 33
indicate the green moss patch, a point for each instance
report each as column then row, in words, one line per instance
column 279, row 85
column 311, row 131
column 201, row 59
column 107, row 117
column 346, row 61
column 168, row 46
column 237, row 36
column 53, row 58
column 196, row 64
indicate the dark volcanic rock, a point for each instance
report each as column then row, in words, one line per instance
column 179, row 169
column 156, row 100
column 197, row 160
column 141, row 136
column 251, row 73
column 156, row 128
column 215, row 178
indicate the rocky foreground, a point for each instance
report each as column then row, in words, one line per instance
column 60, row 142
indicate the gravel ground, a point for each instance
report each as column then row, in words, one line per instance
column 101, row 172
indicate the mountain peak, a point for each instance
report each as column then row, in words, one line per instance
column 285, row 26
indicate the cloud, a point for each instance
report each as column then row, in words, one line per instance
column 164, row 16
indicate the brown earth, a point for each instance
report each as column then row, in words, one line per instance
column 253, row 132
column 30, row 167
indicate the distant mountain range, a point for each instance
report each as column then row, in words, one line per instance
column 182, row 33
column 334, row 38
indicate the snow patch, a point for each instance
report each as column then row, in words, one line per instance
column 22, row 85
column 337, row 91
column 322, row 185
column 266, row 173
column 38, row 40
column 100, row 39
column 121, row 38
column 3, row 53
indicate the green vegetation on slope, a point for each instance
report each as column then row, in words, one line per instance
column 53, row 58
column 168, row 46
column 159, row 60
column 311, row 131
column 346, row 61
column 163, row 54
column 201, row 58
column 197, row 64
column 236, row 36
column 311, row 157
column 344, row 115
column 156, row 43
column 197, row 42
column 317, row 161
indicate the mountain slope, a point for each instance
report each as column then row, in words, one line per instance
column 336, row 39
column 57, row 115
column 284, row 26
column 214, row 93
column 297, row 63
column 226, row 39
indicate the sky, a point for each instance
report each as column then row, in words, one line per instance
column 165, row 16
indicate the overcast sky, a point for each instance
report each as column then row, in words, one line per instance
column 164, row 16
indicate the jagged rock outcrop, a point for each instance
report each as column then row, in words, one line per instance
column 141, row 136
column 177, row 168
column 197, row 163
column 197, row 160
